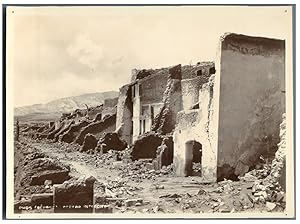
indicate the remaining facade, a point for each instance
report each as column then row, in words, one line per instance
column 239, row 110
column 154, row 97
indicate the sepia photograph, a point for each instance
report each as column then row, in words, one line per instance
column 149, row 111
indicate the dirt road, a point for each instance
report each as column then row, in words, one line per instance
column 166, row 194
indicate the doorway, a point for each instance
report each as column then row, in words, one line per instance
column 193, row 158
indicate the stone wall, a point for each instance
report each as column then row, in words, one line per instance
column 202, row 69
column 190, row 92
column 149, row 92
column 70, row 135
column 145, row 146
column 165, row 121
column 252, row 99
column 98, row 129
column 198, row 125
column 136, row 102
column 74, row 196
column 278, row 168
column 152, row 88
column 124, row 114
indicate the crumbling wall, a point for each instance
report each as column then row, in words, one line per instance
column 58, row 127
column 45, row 133
column 136, row 112
column 68, row 124
column 32, row 167
column 252, row 99
column 124, row 114
column 149, row 91
column 165, row 121
column 152, row 88
column 141, row 74
column 193, row 77
column 190, row 92
column 198, row 125
column 89, row 143
column 201, row 69
column 113, row 141
column 92, row 113
column 70, row 135
column 278, row 168
column 146, row 145
column 74, row 195
column 108, row 124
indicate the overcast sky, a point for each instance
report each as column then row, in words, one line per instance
column 56, row 52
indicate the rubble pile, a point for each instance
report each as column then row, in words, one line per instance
column 278, row 168
column 269, row 188
column 76, row 194
column 108, row 158
column 89, row 143
column 112, row 141
column 32, row 170
column 145, row 147
column 144, row 169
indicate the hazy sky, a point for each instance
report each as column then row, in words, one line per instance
column 64, row 51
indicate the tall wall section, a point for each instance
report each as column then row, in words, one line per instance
column 252, row 100
column 199, row 125
column 124, row 114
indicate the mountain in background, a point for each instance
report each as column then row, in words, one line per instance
column 64, row 105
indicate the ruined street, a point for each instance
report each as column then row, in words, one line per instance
column 208, row 137
column 123, row 187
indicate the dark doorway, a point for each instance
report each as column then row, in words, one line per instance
column 193, row 158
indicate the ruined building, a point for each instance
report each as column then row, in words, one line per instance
column 222, row 115
column 239, row 110
column 154, row 97
column 215, row 119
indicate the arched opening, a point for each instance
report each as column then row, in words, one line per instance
column 193, row 158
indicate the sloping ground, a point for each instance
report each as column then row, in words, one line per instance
column 108, row 124
column 32, row 168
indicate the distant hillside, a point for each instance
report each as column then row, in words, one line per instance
column 64, row 105
column 39, row 117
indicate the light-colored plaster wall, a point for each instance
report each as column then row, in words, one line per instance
column 197, row 124
column 190, row 92
column 124, row 114
column 136, row 117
